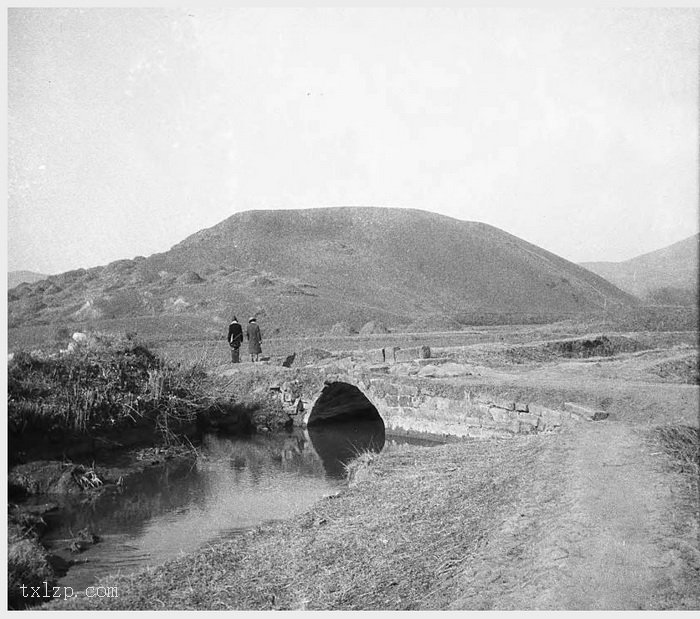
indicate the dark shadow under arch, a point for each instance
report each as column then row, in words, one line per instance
column 343, row 423
column 342, row 402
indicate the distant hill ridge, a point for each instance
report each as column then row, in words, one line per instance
column 306, row 270
column 15, row 278
column 667, row 274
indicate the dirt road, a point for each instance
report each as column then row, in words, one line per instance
column 602, row 525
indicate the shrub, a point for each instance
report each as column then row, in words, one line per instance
column 105, row 383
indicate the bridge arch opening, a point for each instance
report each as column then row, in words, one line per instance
column 343, row 423
column 342, row 402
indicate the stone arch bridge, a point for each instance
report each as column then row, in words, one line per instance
column 419, row 399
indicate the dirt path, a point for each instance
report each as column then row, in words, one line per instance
column 599, row 529
column 619, row 502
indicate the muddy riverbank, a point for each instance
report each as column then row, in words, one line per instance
column 38, row 489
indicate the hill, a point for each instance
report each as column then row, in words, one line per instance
column 15, row 278
column 664, row 276
column 303, row 271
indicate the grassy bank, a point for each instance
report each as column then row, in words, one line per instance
column 387, row 542
column 104, row 382
column 105, row 386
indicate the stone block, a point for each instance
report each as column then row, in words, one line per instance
column 443, row 404
column 480, row 409
column 503, row 403
column 472, row 421
column 552, row 421
column 405, row 355
column 500, row 415
column 392, row 400
column 522, row 407
column 456, row 408
column 590, row 414
column 405, row 400
column 529, row 418
column 386, row 387
column 511, row 426
column 526, row 428
column 545, row 412
column 376, row 356
column 427, row 392
column 411, row 390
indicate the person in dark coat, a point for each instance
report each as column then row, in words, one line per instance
column 254, row 338
column 235, row 339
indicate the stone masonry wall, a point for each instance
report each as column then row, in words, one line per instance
column 415, row 405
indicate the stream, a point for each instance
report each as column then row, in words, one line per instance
column 233, row 485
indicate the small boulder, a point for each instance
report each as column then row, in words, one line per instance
column 372, row 327
column 342, row 328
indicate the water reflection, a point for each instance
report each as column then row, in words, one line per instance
column 337, row 443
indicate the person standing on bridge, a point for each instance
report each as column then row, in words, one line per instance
column 235, row 339
column 254, row 338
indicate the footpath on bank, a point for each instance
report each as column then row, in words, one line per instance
column 591, row 517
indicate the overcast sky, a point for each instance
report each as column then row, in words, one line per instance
column 130, row 129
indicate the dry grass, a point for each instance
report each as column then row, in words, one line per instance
column 104, row 384
column 682, row 444
column 394, row 540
